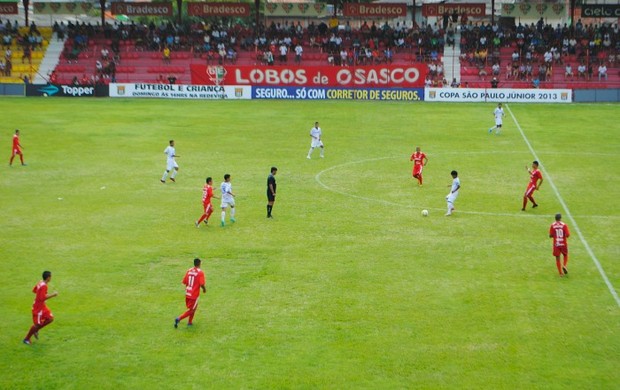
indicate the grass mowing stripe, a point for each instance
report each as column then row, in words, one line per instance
column 575, row 227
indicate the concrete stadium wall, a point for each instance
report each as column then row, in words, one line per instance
column 596, row 95
column 12, row 90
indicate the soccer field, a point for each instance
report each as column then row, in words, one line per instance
column 349, row 286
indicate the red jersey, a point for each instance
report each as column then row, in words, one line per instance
column 16, row 142
column 559, row 232
column 535, row 175
column 40, row 291
column 418, row 158
column 207, row 194
column 194, row 278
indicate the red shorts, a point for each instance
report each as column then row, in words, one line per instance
column 191, row 304
column 529, row 191
column 560, row 250
column 42, row 316
column 16, row 151
column 208, row 208
column 417, row 169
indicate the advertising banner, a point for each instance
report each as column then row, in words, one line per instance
column 380, row 10
column 391, row 76
column 8, row 8
column 600, row 11
column 218, row 9
column 69, row 8
column 141, row 9
column 469, row 9
column 498, row 95
column 302, row 10
column 57, row 90
column 531, row 10
column 322, row 93
column 177, row 91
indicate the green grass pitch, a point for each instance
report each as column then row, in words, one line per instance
column 348, row 286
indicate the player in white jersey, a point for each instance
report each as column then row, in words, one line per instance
column 454, row 192
column 171, row 164
column 499, row 115
column 228, row 199
column 315, row 134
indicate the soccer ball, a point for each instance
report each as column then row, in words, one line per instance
column 425, row 213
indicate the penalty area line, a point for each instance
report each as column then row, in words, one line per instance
column 567, row 212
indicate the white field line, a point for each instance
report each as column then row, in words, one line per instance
column 567, row 212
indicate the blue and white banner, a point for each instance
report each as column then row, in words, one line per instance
column 330, row 93
column 499, row 95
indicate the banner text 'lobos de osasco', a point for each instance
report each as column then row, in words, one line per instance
column 392, row 76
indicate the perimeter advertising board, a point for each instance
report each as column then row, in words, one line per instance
column 177, row 91
column 379, row 10
column 469, row 9
column 218, row 9
column 59, row 90
column 8, row 8
column 386, row 76
column 600, row 11
column 142, row 9
column 65, row 8
column 322, row 93
column 498, row 95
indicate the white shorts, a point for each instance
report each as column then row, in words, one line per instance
column 498, row 122
column 172, row 164
column 228, row 202
column 316, row 143
column 451, row 197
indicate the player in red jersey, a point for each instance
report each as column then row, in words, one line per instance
column 559, row 232
column 536, row 181
column 194, row 280
column 41, row 314
column 207, row 194
column 419, row 161
column 17, row 149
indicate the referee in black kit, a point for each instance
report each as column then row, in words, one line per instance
column 271, row 190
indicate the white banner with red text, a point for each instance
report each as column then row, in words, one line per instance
column 498, row 95
column 178, row 91
column 391, row 76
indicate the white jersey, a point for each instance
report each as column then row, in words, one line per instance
column 227, row 198
column 456, row 184
column 454, row 190
column 170, row 161
column 315, row 133
column 499, row 115
column 170, row 152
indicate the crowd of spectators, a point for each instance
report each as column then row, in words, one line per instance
column 538, row 49
column 276, row 43
column 25, row 42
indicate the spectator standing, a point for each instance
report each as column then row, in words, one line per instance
column 298, row 53
column 602, row 72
